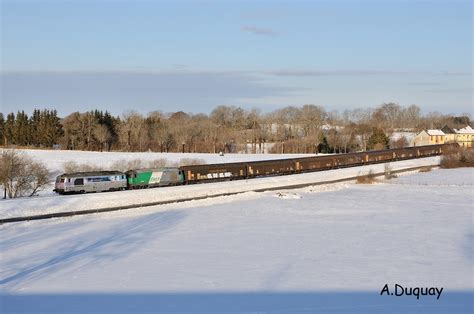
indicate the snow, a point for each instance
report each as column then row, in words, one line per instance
column 55, row 159
column 435, row 132
column 51, row 203
column 465, row 130
column 409, row 136
column 328, row 248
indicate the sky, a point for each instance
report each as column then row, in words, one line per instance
column 192, row 56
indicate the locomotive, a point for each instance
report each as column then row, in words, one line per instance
column 101, row 181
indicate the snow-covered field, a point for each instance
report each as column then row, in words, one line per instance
column 329, row 248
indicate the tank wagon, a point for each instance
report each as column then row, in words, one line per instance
column 144, row 178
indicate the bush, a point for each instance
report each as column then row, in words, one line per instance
column 20, row 175
column 72, row 166
column 366, row 178
column 399, row 143
column 119, row 165
column 457, row 157
column 158, row 163
column 425, row 169
column 124, row 165
column 388, row 172
column 191, row 161
column 136, row 164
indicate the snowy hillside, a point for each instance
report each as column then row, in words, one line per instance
column 55, row 159
column 50, row 202
column 327, row 249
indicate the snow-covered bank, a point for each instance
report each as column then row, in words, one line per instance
column 328, row 249
column 55, row 159
column 55, row 203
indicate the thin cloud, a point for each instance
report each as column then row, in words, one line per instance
column 259, row 31
column 424, row 84
column 266, row 14
column 449, row 90
column 303, row 73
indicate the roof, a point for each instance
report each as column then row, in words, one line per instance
column 92, row 174
column 447, row 130
column 466, row 130
column 435, row 132
column 153, row 169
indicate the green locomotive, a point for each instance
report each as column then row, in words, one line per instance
column 144, row 178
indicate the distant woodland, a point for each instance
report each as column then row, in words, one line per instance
column 306, row 129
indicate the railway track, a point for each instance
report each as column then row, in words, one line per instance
column 186, row 199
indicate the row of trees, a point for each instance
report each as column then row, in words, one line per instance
column 303, row 129
column 43, row 128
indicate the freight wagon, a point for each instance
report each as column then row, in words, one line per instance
column 214, row 172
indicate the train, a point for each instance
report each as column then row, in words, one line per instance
column 102, row 181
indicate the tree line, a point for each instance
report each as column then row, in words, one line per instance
column 306, row 129
column 42, row 129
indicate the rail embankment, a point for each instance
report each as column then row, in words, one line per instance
column 68, row 205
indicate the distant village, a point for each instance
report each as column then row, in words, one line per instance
column 464, row 136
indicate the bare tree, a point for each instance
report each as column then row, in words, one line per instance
column 312, row 118
column 102, row 134
column 38, row 177
column 363, row 132
column 20, row 175
column 399, row 143
column 387, row 116
column 411, row 116
column 132, row 131
column 13, row 172
column 73, row 137
column 346, row 137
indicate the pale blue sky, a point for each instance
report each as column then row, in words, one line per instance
column 195, row 55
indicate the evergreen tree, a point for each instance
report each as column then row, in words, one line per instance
column 42, row 128
column 9, row 127
column 378, row 140
column 54, row 128
column 34, row 127
column 112, row 125
column 21, row 129
column 50, row 128
column 2, row 128
column 324, row 147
